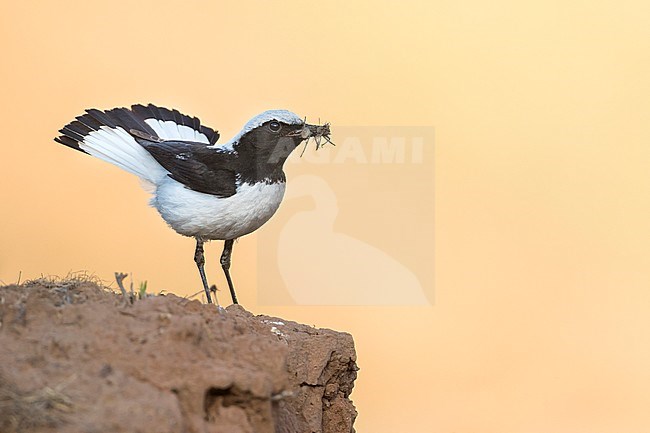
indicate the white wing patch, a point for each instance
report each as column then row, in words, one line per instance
column 170, row 130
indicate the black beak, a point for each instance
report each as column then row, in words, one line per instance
column 309, row 131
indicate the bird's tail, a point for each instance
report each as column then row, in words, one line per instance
column 109, row 135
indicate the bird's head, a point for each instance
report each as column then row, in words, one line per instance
column 274, row 134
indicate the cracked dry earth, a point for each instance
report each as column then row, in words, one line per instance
column 77, row 358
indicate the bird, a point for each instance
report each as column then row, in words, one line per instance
column 203, row 190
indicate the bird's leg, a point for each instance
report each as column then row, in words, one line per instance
column 200, row 261
column 225, row 265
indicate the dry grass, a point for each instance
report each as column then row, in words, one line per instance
column 66, row 288
column 73, row 279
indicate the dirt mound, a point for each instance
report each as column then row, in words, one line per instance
column 78, row 358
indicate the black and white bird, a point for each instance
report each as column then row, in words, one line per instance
column 201, row 189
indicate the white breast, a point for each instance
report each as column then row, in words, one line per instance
column 196, row 214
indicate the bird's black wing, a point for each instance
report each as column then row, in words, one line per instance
column 195, row 165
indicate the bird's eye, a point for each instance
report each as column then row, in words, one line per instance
column 274, row 126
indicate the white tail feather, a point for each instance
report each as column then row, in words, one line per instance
column 116, row 146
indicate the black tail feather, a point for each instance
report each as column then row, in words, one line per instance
column 128, row 119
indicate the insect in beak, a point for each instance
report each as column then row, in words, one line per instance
column 319, row 133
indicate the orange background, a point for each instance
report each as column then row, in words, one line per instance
column 541, row 319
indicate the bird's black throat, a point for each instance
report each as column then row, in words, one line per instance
column 261, row 157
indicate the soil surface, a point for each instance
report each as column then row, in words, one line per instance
column 75, row 357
